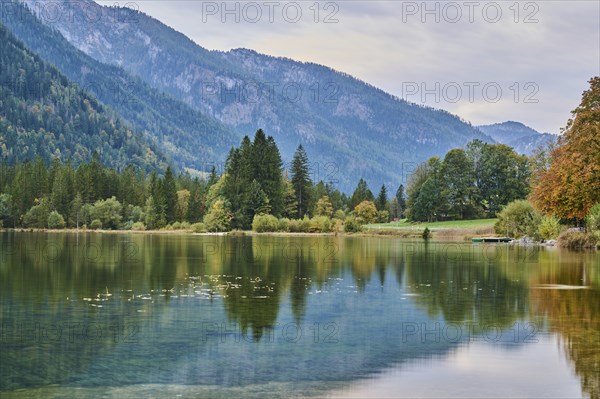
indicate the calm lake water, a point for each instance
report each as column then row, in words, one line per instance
column 116, row 315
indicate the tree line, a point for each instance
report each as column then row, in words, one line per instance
column 35, row 194
column 469, row 183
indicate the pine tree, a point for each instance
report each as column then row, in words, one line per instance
column 183, row 203
column 256, row 203
column 196, row 207
column 213, row 177
column 271, row 183
column 324, row 207
column 401, row 201
column 290, row 209
column 62, row 189
column 361, row 193
column 301, row 181
column 382, row 200
column 75, row 218
column 169, row 196
column 40, row 178
column 151, row 214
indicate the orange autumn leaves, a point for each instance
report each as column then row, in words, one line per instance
column 571, row 185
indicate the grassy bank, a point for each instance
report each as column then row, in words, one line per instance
column 452, row 229
column 450, row 224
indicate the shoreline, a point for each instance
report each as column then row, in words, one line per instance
column 440, row 233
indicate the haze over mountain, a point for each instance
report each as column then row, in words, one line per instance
column 350, row 129
column 515, row 134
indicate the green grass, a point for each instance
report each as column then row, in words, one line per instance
column 451, row 224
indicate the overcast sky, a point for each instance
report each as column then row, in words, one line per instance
column 485, row 61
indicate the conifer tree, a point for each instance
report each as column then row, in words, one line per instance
column 169, row 196
column 301, row 181
column 382, row 200
column 361, row 193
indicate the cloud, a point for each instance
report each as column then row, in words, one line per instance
column 554, row 45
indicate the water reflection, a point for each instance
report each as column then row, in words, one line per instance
column 572, row 312
column 308, row 313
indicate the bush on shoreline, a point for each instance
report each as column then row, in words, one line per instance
column 518, row 219
column 579, row 240
column 318, row 224
column 549, row 228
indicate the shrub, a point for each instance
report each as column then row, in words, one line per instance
column 518, row 219
column 219, row 217
column 283, row 224
column 96, row 224
column 339, row 214
column 592, row 219
column 138, row 226
column 426, row 233
column 56, row 220
column 6, row 205
column 549, row 228
column 265, row 223
column 352, row 225
column 37, row 216
column 134, row 213
column 176, row 226
column 198, row 228
column 295, row 226
column 320, row 224
column 185, row 225
column 383, row 216
column 577, row 240
column 300, row 225
column 305, row 224
column 108, row 211
column 337, row 225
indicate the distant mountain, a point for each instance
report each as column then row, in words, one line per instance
column 517, row 135
column 349, row 128
column 186, row 136
column 43, row 114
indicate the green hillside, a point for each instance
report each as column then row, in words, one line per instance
column 43, row 114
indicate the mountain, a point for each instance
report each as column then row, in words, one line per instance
column 189, row 138
column 517, row 135
column 349, row 128
column 43, row 114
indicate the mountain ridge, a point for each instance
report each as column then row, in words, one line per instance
column 190, row 139
column 522, row 138
column 348, row 127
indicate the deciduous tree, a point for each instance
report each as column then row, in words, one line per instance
column 571, row 185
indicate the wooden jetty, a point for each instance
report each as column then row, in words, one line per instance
column 491, row 239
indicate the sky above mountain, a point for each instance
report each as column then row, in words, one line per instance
column 485, row 61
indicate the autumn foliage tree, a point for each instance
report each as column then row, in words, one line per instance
column 571, row 185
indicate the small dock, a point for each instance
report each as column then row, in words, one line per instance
column 491, row 239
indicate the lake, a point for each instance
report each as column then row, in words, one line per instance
column 140, row 315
